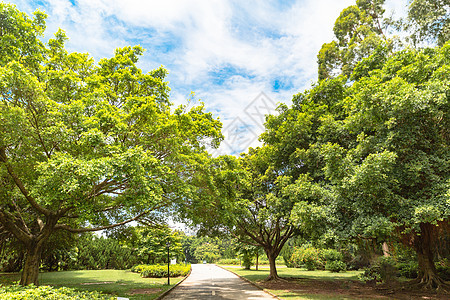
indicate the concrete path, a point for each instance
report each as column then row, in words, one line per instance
column 211, row 282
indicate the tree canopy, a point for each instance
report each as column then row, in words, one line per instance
column 85, row 147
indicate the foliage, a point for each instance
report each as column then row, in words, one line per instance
column 308, row 257
column 429, row 20
column 247, row 260
column 85, row 147
column 408, row 269
column 159, row 271
column 47, row 292
column 208, row 252
column 150, row 243
column 229, row 261
column 96, row 253
column 359, row 30
column 333, row 260
column 383, row 269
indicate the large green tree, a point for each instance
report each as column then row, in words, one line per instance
column 85, row 147
column 359, row 30
column 429, row 20
column 394, row 175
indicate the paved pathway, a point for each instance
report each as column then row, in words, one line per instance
column 211, row 282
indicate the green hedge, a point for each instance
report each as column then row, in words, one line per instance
column 15, row 292
column 158, row 271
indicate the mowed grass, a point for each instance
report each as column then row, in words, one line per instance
column 120, row 283
column 309, row 276
column 263, row 273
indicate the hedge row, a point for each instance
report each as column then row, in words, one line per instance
column 159, row 271
column 16, row 292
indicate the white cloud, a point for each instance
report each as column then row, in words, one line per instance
column 264, row 40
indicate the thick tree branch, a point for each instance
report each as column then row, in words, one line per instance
column 20, row 185
column 80, row 230
column 8, row 223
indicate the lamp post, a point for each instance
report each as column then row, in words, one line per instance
column 168, row 263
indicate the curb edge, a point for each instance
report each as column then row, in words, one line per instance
column 169, row 290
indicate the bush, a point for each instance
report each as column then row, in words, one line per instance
column 384, row 269
column 335, row 266
column 334, row 260
column 306, row 257
column 408, row 269
column 16, row 292
column 159, row 271
column 443, row 269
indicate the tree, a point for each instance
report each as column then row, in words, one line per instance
column 429, row 20
column 392, row 175
column 359, row 30
column 151, row 244
column 249, row 199
column 85, row 147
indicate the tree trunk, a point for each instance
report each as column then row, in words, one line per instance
column 428, row 276
column 273, row 268
column 30, row 273
column 257, row 257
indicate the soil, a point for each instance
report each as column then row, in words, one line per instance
column 350, row 289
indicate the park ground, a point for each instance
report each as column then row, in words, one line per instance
column 302, row 284
column 296, row 284
column 121, row 283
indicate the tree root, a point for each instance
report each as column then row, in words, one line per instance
column 431, row 282
column 275, row 279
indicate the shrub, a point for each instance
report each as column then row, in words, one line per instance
column 383, row 269
column 335, row 266
column 408, row 269
column 306, row 257
column 443, row 269
column 16, row 292
column 159, row 271
column 334, row 260
column 138, row 268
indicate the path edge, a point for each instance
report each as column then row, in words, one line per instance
column 169, row 290
column 252, row 283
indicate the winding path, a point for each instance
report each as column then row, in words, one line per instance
column 211, row 282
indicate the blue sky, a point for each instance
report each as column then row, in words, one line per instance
column 239, row 57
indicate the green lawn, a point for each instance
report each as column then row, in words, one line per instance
column 310, row 278
column 263, row 272
column 116, row 282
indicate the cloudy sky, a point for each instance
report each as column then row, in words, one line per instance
column 239, row 57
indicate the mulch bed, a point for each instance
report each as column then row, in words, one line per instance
column 350, row 289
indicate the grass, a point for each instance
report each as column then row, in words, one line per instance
column 310, row 278
column 115, row 282
column 263, row 272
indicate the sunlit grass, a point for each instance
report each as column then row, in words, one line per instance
column 263, row 272
column 309, row 276
column 115, row 282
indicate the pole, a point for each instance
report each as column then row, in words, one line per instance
column 168, row 264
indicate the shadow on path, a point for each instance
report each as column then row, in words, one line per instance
column 211, row 282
